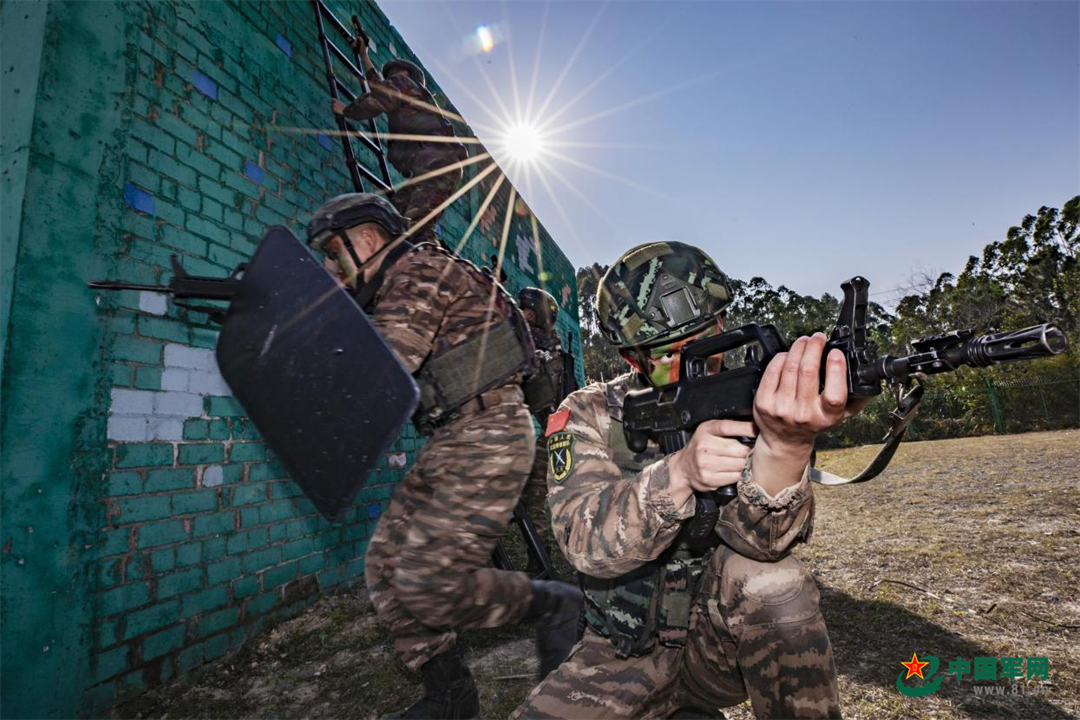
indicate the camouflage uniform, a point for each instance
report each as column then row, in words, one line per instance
column 412, row 158
column 427, row 560
column 752, row 628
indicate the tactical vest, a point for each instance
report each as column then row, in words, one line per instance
column 651, row 603
column 449, row 378
column 407, row 155
column 544, row 388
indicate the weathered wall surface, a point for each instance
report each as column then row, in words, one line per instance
column 146, row 529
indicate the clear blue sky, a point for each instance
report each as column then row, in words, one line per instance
column 803, row 142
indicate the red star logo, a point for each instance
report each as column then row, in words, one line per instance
column 914, row 667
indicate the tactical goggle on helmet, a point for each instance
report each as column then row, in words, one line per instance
column 659, row 292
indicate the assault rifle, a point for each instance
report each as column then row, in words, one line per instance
column 182, row 285
column 670, row 414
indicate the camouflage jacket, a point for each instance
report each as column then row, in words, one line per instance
column 428, row 301
column 410, row 110
column 611, row 510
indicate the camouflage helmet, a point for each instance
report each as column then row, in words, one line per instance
column 659, row 292
column 414, row 71
column 345, row 211
column 542, row 303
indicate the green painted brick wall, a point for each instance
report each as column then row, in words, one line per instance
column 146, row 529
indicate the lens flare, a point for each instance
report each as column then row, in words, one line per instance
column 486, row 38
column 523, row 142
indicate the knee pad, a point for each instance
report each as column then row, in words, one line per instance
column 767, row 594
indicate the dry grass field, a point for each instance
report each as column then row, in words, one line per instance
column 963, row 548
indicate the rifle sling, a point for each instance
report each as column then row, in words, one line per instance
column 906, row 406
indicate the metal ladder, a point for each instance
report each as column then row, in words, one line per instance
column 339, row 91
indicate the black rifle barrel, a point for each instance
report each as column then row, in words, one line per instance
column 943, row 353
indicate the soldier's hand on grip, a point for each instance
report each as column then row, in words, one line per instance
column 713, row 458
column 790, row 407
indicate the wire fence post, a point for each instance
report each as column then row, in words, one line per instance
column 995, row 407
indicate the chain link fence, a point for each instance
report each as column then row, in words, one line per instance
column 974, row 403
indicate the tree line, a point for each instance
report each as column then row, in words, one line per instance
column 1029, row 277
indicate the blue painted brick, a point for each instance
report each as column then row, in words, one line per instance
column 138, row 199
column 253, row 172
column 284, row 44
column 204, row 84
column 325, row 141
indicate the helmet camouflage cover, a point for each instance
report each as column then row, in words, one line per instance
column 658, row 292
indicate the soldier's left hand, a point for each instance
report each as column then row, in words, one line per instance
column 791, row 408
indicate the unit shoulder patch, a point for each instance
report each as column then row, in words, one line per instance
column 560, row 456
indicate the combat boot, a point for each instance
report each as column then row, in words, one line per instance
column 554, row 609
column 449, row 690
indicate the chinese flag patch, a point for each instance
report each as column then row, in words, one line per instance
column 556, row 422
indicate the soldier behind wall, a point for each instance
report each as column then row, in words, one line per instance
column 400, row 92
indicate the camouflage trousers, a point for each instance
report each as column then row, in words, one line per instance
column 416, row 200
column 535, row 495
column 755, row 631
column 427, row 563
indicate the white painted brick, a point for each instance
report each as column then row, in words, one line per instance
column 176, row 379
column 153, row 303
column 189, row 357
column 178, row 403
column 396, row 460
column 132, row 402
column 213, row 476
column 126, row 428
column 166, row 428
column 208, row 383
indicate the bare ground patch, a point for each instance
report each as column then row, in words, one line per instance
column 987, row 529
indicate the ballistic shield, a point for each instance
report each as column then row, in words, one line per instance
column 324, row 390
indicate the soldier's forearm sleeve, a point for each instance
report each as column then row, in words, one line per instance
column 764, row 527
column 373, row 103
column 607, row 525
